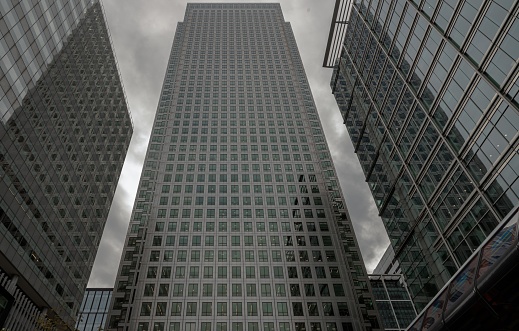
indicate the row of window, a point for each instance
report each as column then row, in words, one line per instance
column 208, row 272
column 236, row 255
column 235, row 213
column 224, row 157
column 238, row 240
column 240, row 326
column 223, row 188
column 236, row 226
column 246, row 201
column 192, row 290
column 237, row 309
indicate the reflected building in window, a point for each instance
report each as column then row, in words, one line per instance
column 429, row 94
column 64, row 132
column 94, row 309
column 239, row 222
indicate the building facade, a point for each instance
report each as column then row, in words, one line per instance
column 429, row 94
column 393, row 301
column 64, row 132
column 239, row 222
column 94, row 309
column 388, row 265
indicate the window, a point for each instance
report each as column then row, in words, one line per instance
column 192, row 290
column 149, row 290
column 207, row 290
column 161, row 309
column 180, row 272
column 146, row 309
column 313, row 310
column 251, row 290
column 266, row 307
column 343, row 309
column 250, row 272
column 207, row 308
column 191, row 309
column 236, row 290
column 280, row 290
column 264, row 272
column 178, row 290
column 297, row 309
column 163, row 290
column 324, row 290
column 328, row 309
column 221, row 308
column 176, row 308
column 208, row 272
column 166, row 272
column 252, row 309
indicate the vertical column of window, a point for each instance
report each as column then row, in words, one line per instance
column 403, row 109
column 429, row 6
column 371, row 12
column 446, row 10
column 454, row 91
column 424, row 63
column 464, row 21
column 493, row 141
column 503, row 192
column 383, row 11
column 393, row 19
column 413, row 51
column 487, row 29
column 470, row 114
column 402, row 36
column 505, row 57
column 441, row 68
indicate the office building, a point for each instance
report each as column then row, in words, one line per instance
column 239, row 222
column 482, row 295
column 388, row 265
column 64, row 133
column 94, row 309
column 393, row 301
column 429, row 94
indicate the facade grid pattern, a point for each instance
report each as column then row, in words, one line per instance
column 393, row 301
column 429, row 94
column 239, row 223
column 94, row 309
column 64, row 132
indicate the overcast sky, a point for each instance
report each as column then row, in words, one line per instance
column 142, row 34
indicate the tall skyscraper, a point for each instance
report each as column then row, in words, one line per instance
column 64, row 133
column 239, row 221
column 429, row 94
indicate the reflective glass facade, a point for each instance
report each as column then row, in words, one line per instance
column 239, row 222
column 393, row 301
column 429, row 94
column 64, row 132
column 94, row 309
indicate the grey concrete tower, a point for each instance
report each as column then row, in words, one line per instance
column 64, row 133
column 239, row 222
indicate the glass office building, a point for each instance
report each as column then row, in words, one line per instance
column 393, row 301
column 64, row 133
column 239, row 222
column 429, row 93
column 94, row 309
